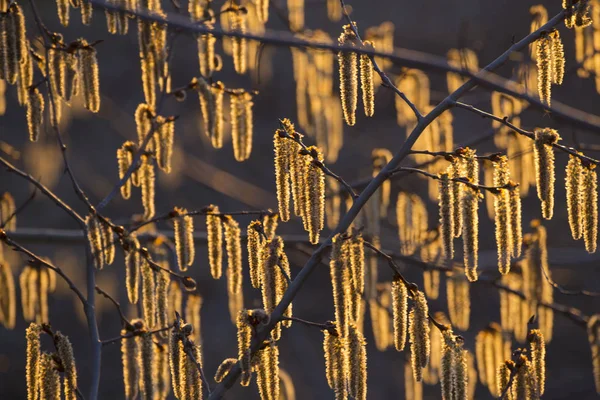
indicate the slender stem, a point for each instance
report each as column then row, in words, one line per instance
column 190, row 353
column 19, row 209
column 132, row 335
column 115, row 303
column 327, row 326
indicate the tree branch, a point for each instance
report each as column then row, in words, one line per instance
column 134, row 334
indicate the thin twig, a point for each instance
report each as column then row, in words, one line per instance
column 134, row 334
column 327, row 326
column 19, row 209
column 190, row 353
column 115, row 303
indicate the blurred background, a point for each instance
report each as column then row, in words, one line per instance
column 202, row 175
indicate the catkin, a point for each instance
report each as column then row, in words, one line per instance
column 193, row 307
column 193, row 380
column 339, row 281
column 558, row 57
column 214, row 231
column 63, row 7
column 94, row 236
column 24, row 80
column 589, row 199
column 544, row 67
column 241, row 125
column 270, row 223
column 163, row 377
column 254, row 245
column 400, row 312
column 234, row 254
column 49, row 379
column 164, row 140
column 131, row 373
column 283, row 148
column 366, row 81
column 147, row 184
column 124, row 161
column 538, row 359
column 514, row 199
column 207, row 59
column 298, row 166
column 8, row 299
column 65, row 353
column 573, row 184
column 357, row 359
column 132, row 270
column 32, row 336
column 89, row 76
column 224, row 369
column 56, row 71
column 544, row 168
column 8, row 212
column 348, row 75
column 459, row 301
column 145, row 362
column 504, row 378
column 239, row 45
column 86, row 12
column 593, row 331
column 504, row 239
column 446, row 205
column 456, row 171
column 162, row 300
column 315, row 196
column 211, row 105
column 35, row 113
column 244, row 335
column 176, row 356
column 470, row 206
column 183, row 226
column 148, row 294
column 268, row 372
column 418, row 327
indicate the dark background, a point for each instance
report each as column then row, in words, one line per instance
column 203, row 175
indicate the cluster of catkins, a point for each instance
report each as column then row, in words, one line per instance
column 299, row 175
column 492, row 348
column 550, row 58
column 43, row 370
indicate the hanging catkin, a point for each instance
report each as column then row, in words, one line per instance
column 211, row 105
column 241, row 125
column 298, row 167
column 176, row 356
column 8, row 299
column 270, row 223
column 49, row 379
column 446, row 205
column 357, row 361
column 94, row 236
column 544, row 168
column 544, row 67
column 131, row 373
column 348, row 75
column 67, row 360
column 314, row 216
column 148, row 294
column 470, row 235
column 456, row 171
column 504, row 240
column 35, row 113
column 418, row 327
column 207, row 59
column 146, row 365
column 254, row 244
column 573, row 184
column 339, row 281
column 400, row 312
column 239, row 45
column 589, row 199
column 124, row 161
column 283, row 149
column 32, row 336
column 558, row 58
column 538, row 359
column 234, row 254
column 164, row 140
column 514, row 199
column 366, row 80
column 183, row 226
column 244, row 335
column 214, row 231
column 89, row 76
column 132, row 269
column 593, row 331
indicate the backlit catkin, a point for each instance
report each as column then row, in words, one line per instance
column 164, row 140
column 146, row 365
column 470, row 235
column 514, row 199
column 558, row 57
column 502, row 215
column 211, row 105
column 233, row 244
column 224, row 369
column 446, row 205
column 298, row 166
column 244, row 335
column 593, row 331
column 239, row 45
column 456, row 171
column 544, row 168
column 339, row 281
column 176, row 356
column 132, row 270
column 538, row 359
column 148, row 294
column 357, row 361
column 131, row 373
column 49, row 379
column 270, row 223
column 89, row 76
column 348, row 75
column 544, row 67
column 8, row 212
column 573, row 185
column 283, row 148
column 94, row 236
column 32, row 336
column 241, row 125
column 366, row 81
column 206, row 52
column 8, row 301
column 183, row 226
column 65, row 353
column 268, row 372
column 418, row 327
column 589, row 199
column 35, row 113
column 315, row 196
column 124, row 161
column 254, row 245
column 400, row 312
column 147, row 184
column 214, row 232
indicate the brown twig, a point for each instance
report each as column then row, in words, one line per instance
column 19, row 209
column 116, row 304
column 327, row 326
column 134, row 334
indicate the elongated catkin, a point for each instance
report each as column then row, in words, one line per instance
column 589, row 197
column 348, row 71
column 283, row 148
column 419, row 335
column 504, row 237
column 446, row 205
column 214, row 231
column 234, row 255
column 544, row 168
column 89, row 76
column 538, row 359
column 315, row 196
column 255, row 249
column 366, row 81
column 544, row 66
column 184, row 238
column 35, row 113
column 573, row 183
column 400, row 312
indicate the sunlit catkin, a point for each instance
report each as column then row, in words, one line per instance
column 538, row 359
column 211, row 105
column 348, row 70
column 49, row 379
column 132, row 270
column 241, row 125
column 315, row 196
column 268, row 372
column 418, row 327
column 254, row 245
column 89, row 76
column 224, row 369
column 244, row 336
column 366, row 81
column 145, row 362
column 234, row 254
column 339, row 282
column 67, row 360
column 446, row 203
column 270, row 223
column 456, row 171
column 183, row 226
column 32, row 336
column 502, row 215
column 131, row 373
column 147, row 184
column 459, row 300
column 544, row 168
column 298, row 166
column 35, row 113
column 357, row 360
column 470, row 207
column 544, row 67
column 164, row 140
column 589, row 199
column 148, row 294
column 504, row 373
column 8, row 301
column 239, row 45
column 214, row 232
column 283, row 148
column 176, row 356
column 573, row 183
column 94, row 236
column 558, row 57
column 124, row 161
column 514, row 201
column 400, row 312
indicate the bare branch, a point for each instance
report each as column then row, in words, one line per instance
column 134, row 334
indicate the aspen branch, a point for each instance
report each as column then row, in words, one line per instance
column 134, row 334
column 115, row 303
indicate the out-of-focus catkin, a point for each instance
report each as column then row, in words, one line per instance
column 573, row 183
column 183, row 226
column 470, row 235
column 366, row 81
column 418, row 327
column 400, row 312
column 348, row 70
column 544, row 168
column 239, row 45
column 8, row 301
column 504, row 239
column 214, row 231
column 89, row 76
column 593, row 331
column 589, row 199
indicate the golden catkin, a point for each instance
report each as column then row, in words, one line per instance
column 544, row 168
column 207, row 59
column 538, row 359
column 558, row 58
column 270, row 223
column 298, row 166
column 544, row 67
column 148, row 294
column 89, row 76
column 381, row 157
column 239, row 45
column 193, row 307
column 214, row 231
column 56, row 71
column 94, row 236
column 357, row 263
column 86, row 12
column 288, row 391
column 49, row 379
column 593, row 331
column 131, row 373
column 183, row 226
column 161, row 367
column 162, row 300
column 514, row 201
column 8, row 212
column 176, row 356
column 459, row 301
column 241, row 125
column 233, row 244
column 418, row 327
column 589, row 199
column 268, row 372
column 132, row 270
column 164, row 141
column 357, row 360
column 456, row 171
column 348, row 71
column 65, row 353
column 333, row 203
column 315, row 196
column 26, row 276
column 24, row 80
column 366, row 81
column 145, row 362
column 8, row 301
column 254, row 245
column 504, row 378
column 581, row 14
column 224, row 369
column 211, row 105
column 329, row 343
column 573, row 182
column 400, row 312
column 147, row 184
column 124, row 161
column 35, row 113
column 244, row 335
column 32, row 368
column 193, row 380
column 339, row 281
column 470, row 235
column 63, row 8
column 504, row 239
column 446, row 205
column 283, row 148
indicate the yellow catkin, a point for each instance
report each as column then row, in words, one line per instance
column 235, row 303
column 298, row 167
column 161, row 366
column 334, row 10
column 270, row 223
column 183, row 226
column 224, row 369
column 593, row 330
column 538, row 359
column 124, row 161
column 145, row 362
column 65, row 353
column 525, row 380
column 35, row 113
column 94, row 235
column 176, row 355
column 544, row 168
column 283, row 148
column 24, row 286
column 456, row 171
column 162, row 300
column 502, row 215
column 366, row 81
column 211, row 105
column 514, row 199
column 148, row 294
column 459, row 301
column 42, row 311
column 56, row 71
column 357, row 264
column 418, row 327
column 504, row 378
column 63, row 8
column 315, row 196
column 446, row 205
column 175, row 301
column 589, row 199
column 207, row 59
column 580, row 13
column 241, row 125
column 8, row 301
column 89, row 76
column 268, row 372
column 214, row 231
column 348, row 71
column 147, row 184
column 381, row 157
column 108, row 242
column 193, row 380
column 234, row 255
column 86, row 12
column 339, row 282
column 131, row 373
column 254, row 245
column 32, row 336
column 357, row 359
column 470, row 235
column 544, row 67
column 558, row 57
column 333, row 203
column 454, row 369
column 143, row 122
column 8, row 211
column 573, row 182
column 244, row 335
column 164, row 140
column 132, row 270
column 193, row 307
column 239, row 45
column 413, row 389
column 49, row 379
column 288, row 391
column 400, row 312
